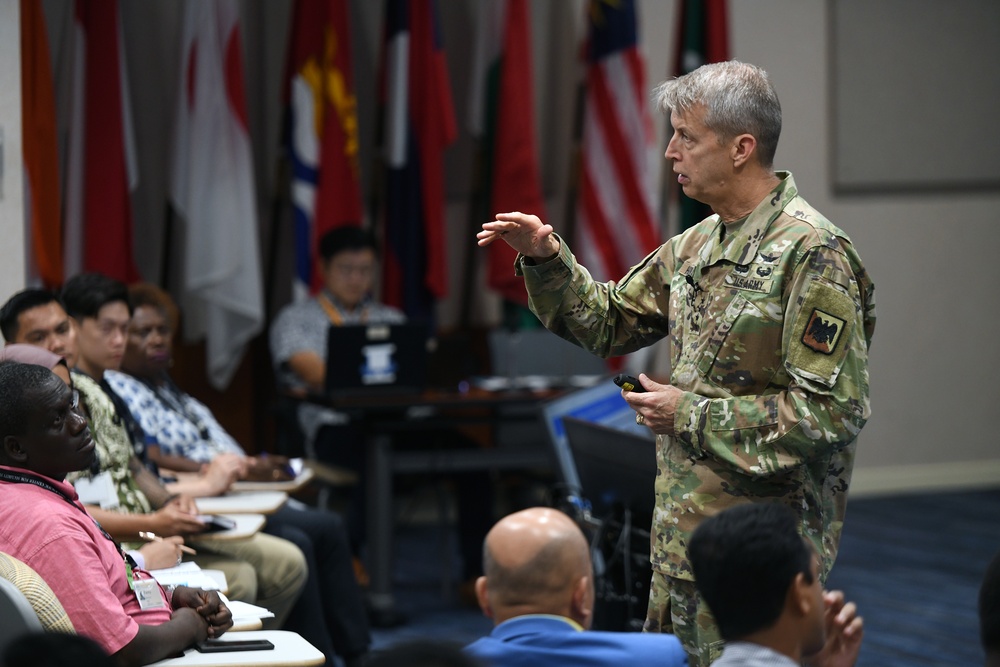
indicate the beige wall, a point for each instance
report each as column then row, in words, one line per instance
column 12, row 269
column 933, row 361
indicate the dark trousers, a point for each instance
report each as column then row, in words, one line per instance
column 330, row 613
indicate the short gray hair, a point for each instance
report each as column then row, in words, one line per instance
column 738, row 97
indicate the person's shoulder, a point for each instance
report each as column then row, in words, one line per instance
column 85, row 384
column 123, row 382
column 297, row 310
column 665, row 649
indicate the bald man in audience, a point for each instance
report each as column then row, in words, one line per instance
column 538, row 588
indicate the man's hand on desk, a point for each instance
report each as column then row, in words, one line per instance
column 208, row 605
column 268, row 468
column 172, row 520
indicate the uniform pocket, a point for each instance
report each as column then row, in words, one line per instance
column 744, row 350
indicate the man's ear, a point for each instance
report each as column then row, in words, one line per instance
column 482, row 596
column 583, row 602
column 742, row 148
column 800, row 599
column 13, row 450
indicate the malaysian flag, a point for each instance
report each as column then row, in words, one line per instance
column 616, row 216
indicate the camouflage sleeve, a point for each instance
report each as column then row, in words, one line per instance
column 824, row 400
column 607, row 319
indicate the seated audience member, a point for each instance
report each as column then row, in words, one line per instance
column 184, row 435
column 150, row 556
column 261, row 569
column 989, row 613
column 538, row 588
column 35, row 317
column 760, row 579
column 42, row 523
column 349, row 260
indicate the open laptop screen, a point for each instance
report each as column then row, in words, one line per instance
column 617, row 469
column 376, row 357
column 600, row 404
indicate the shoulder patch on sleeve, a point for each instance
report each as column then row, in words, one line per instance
column 821, row 333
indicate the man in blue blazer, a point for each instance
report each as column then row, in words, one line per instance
column 538, row 588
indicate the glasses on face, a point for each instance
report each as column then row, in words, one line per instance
column 348, row 270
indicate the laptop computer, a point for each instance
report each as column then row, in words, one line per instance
column 617, row 468
column 376, row 358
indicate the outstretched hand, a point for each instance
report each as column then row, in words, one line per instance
column 525, row 233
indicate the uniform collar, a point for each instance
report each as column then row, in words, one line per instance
column 550, row 622
column 744, row 244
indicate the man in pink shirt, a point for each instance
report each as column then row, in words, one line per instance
column 42, row 523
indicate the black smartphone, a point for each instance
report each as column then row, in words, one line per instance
column 215, row 524
column 628, row 383
column 224, row 645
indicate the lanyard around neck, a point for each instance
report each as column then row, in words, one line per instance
column 334, row 313
column 19, row 478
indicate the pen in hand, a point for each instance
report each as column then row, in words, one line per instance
column 153, row 537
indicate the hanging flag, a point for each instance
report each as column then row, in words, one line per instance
column 39, row 146
column 212, row 189
column 322, row 132
column 616, row 217
column 102, row 167
column 702, row 37
column 502, row 118
column 419, row 124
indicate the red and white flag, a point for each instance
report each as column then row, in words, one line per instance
column 102, row 168
column 617, row 224
column 212, row 189
column 502, row 117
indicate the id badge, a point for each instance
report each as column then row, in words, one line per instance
column 97, row 490
column 147, row 592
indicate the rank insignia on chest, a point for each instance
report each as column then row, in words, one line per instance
column 822, row 332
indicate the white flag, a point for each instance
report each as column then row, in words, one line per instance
column 212, row 189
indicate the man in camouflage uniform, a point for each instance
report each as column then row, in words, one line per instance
column 769, row 314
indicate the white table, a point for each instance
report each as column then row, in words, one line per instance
column 255, row 502
column 290, row 650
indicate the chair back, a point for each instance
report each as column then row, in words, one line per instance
column 27, row 604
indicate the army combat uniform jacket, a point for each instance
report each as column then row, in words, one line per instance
column 769, row 323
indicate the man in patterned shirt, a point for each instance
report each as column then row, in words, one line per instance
column 769, row 313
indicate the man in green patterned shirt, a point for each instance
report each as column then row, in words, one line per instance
column 769, row 314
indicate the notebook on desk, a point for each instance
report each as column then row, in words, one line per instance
column 376, row 358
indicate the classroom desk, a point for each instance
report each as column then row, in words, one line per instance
column 249, row 502
column 290, row 650
column 382, row 416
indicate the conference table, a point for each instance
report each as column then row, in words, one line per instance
column 382, row 416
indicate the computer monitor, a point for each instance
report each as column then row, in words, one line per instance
column 617, row 469
column 600, row 404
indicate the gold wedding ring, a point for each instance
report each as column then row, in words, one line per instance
column 639, row 419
